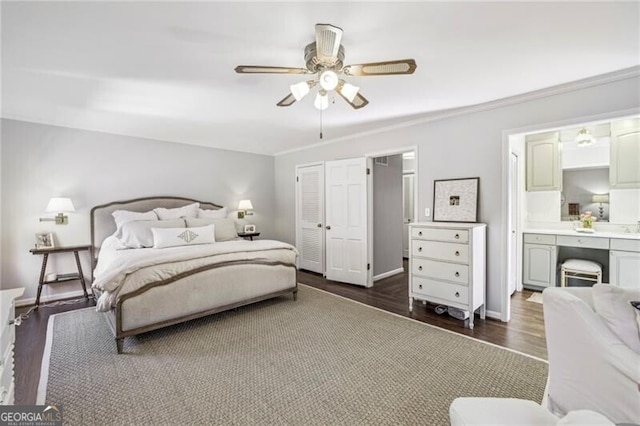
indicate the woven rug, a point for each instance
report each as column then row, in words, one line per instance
column 320, row 360
column 535, row 298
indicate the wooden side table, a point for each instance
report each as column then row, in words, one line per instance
column 45, row 252
column 248, row 235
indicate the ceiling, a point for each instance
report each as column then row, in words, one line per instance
column 165, row 70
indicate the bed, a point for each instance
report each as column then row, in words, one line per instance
column 155, row 288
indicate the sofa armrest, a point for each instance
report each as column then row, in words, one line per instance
column 589, row 366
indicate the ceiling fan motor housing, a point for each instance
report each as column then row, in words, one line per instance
column 314, row 64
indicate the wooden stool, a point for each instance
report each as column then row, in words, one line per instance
column 580, row 269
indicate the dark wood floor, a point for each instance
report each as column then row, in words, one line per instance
column 524, row 333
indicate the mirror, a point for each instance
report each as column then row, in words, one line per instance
column 585, row 179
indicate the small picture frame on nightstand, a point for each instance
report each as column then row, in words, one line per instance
column 249, row 229
column 44, row 240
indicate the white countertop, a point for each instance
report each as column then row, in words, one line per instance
column 596, row 234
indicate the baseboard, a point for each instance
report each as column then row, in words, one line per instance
column 388, row 274
column 50, row 298
column 494, row 315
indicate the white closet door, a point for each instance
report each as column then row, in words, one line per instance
column 346, row 220
column 310, row 217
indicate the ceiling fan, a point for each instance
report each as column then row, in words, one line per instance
column 325, row 58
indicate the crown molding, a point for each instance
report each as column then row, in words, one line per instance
column 624, row 74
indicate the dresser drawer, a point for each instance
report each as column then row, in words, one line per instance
column 440, row 270
column 443, row 251
column 587, row 242
column 438, row 234
column 6, row 374
column 444, row 291
column 625, row 245
column 540, row 239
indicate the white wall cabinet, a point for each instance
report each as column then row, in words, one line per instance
column 624, row 172
column 447, row 265
column 544, row 164
column 7, row 339
column 539, row 265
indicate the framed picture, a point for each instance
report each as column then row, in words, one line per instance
column 455, row 200
column 249, row 229
column 44, row 240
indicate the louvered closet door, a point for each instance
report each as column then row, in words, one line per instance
column 310, row 217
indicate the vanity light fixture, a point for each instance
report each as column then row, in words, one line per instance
column 244, row 207
column 584, row 137
column 60, row 205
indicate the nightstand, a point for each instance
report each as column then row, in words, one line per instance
column 45, row 252
column 248, row 235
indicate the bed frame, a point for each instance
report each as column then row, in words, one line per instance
column 280, row 278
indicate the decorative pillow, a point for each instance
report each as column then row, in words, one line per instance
column 225, row 229
column 190, row 210
column 173, row 237
column 214, row 214
column 612, row 304
column 138, row 234
column 124, row 216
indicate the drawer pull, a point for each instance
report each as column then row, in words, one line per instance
column 419, row 268
column 457, row 236
column 457, row 274
column 420, row 233
column 457, row 294
column 457, row 253
column 419, row 248
column 420, row 286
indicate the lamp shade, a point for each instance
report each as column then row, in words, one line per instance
column 245, row 205
column 322, row 100
column 600, row 198
column 299, row 90
column 59, row 205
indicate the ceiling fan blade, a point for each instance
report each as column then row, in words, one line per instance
column 287, row 101
column 259, row 69
column 328, row 38
column 402, row 66
column 358, row 102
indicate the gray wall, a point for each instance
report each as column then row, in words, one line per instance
column 40, row 161
column 468, row 145
column 387, row 216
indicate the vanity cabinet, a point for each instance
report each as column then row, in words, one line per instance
column 447, row 265
column 539, row 263
column 624, row 172
column 624, row 263
column 544, row 165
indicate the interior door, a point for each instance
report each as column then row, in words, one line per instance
column 407, row 210
column 513, row 223
column 310, row 217
column 346, row 221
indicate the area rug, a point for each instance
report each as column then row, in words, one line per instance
column 320, row 360
column 535, row 298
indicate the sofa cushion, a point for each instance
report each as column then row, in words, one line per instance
column 584, row 418
column 612, row 304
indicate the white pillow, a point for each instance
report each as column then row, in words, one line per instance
column 173, row 237
column 225, row 229
column 214, row 214
column 138, row 234
column 190, row 210
column 584, row 418
column 124, row 216
column 612, row 304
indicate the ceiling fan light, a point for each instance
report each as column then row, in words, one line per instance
column 322, row 100
column 349, row 91
column 299, row 90
column 328, row 80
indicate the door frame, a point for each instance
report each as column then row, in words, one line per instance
column 370, row 156
column 505, row 302
column 295, row 206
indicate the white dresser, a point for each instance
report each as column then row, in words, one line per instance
column 7, row 339
column 447, row 265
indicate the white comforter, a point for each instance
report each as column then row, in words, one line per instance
column 124, row 271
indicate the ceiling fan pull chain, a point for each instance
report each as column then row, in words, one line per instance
column 320, row 124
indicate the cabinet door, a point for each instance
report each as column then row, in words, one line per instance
column 624, row 171
column 544, row 168
column 310, row 217
column 624, row 269
column 539, row 267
